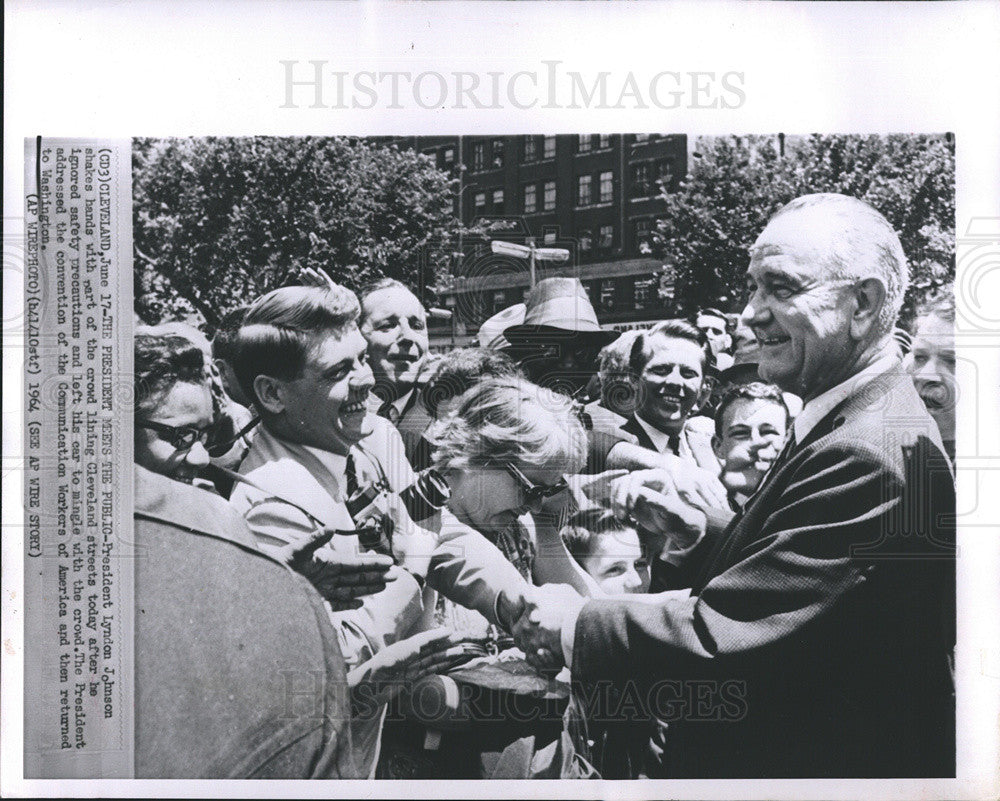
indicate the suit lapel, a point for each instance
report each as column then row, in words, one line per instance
column 633, row 427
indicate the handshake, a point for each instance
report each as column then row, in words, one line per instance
column 536, row 619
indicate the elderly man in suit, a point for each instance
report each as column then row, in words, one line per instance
column 814, row 639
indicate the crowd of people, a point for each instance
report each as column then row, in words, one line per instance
column 713, row 547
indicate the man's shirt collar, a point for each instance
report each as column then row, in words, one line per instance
column 820, row 406
column 660, row 439
column 335, row 463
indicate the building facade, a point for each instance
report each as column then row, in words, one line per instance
column 593, row 195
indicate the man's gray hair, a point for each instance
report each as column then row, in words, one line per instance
column 866, row 247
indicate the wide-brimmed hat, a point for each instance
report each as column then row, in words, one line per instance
column 491, row 332
column 559, row 306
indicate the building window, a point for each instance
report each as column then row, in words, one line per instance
column 604, row 141
column 498, row 200
column 583, row 184
column 549, row 148
column 449, row 155
column 549, row 238
column 480, row 202
column 607, row 187
column 479, row 156
column 641, row 185
column 642, row 137
column 665, row 172
column 607, row 298
column 643, row 235
column 530, row 151
column 549, row 198
column 586, row 241
column 645, row 293
column 606, row 239
column 530, row 198
column 583, row 143
column 497, row 153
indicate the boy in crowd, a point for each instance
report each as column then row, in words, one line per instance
column 608, row 550
column 750, row 428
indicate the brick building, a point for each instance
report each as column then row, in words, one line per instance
column 594, row 195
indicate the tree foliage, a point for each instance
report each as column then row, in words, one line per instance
column 735, row 184
column 220, row 221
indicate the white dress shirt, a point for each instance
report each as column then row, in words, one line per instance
column 660, row 439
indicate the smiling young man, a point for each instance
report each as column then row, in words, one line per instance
column 831, row 596
column 750, row 428
column 669, row 362
column 301, row 356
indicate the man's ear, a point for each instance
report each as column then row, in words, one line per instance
column 717, row 448
column 869, row 295
column 269, row 392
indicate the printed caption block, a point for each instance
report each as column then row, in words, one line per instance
column 79, row 558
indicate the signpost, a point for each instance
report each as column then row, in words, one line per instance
column 529, row 252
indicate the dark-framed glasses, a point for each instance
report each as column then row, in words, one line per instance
column 534, row 492
column 181, row 437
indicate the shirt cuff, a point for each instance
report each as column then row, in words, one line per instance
column 567, row 637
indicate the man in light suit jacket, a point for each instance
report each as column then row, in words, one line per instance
column 301, row 355
column 816, row 634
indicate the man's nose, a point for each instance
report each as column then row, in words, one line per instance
column 363, row 377
column 632, row 579
column 197, row 456
column 930, row 370
column 755, row 312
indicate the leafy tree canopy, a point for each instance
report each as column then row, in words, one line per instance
column 735, row 184
column 220, row 221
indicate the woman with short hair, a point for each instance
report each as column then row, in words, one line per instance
column 174, row 414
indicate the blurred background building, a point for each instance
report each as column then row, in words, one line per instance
column 595, row 195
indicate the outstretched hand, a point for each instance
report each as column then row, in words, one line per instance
column 378, row 680
column 652, row 499
column 342, row 579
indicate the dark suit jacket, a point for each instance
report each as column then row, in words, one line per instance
column 237, row 670
column 816, row 638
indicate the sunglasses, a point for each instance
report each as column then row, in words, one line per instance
column 182, row 437
column 534, row 492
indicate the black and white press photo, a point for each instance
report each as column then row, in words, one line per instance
column 617, row 456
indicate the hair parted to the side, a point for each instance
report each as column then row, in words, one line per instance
column 457, row 371
column 224, row 341
column 586, row 525
column 867, row 247
column 278, row 328
column 642, row 347
column 754, row 390
column 161, row 361
column 510, row 419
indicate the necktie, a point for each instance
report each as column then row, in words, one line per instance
column 351, row 474
column 389, row 412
